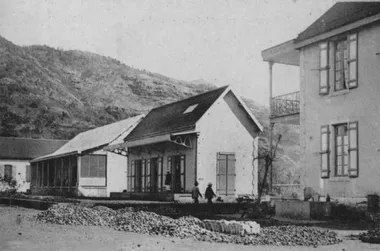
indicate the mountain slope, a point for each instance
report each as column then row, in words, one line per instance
column 52, row 93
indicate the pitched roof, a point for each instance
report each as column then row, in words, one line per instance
column 338, row 15
column 180, row 116
column 100, row 136
column 27, row 148
column 171, row 118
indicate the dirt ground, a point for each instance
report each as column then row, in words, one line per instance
column 17, row 232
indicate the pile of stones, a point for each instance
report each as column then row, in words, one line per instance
column 128, row 219
column 371, row 236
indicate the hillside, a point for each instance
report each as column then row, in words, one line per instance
column 51, row 93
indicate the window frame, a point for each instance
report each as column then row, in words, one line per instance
column 89, row 167
column 336, row 126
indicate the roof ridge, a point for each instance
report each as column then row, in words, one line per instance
column 182, row 100
column 1, row 137
column 97, row 128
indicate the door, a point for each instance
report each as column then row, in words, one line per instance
column 178, row 173
column 226, row 174
column 154, row 174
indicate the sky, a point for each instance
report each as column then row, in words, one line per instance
column 219, row 41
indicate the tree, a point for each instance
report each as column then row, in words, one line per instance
column 268, row 156
column 11, row 187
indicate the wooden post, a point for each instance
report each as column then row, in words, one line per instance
column 61, row 173
column 55, row 172
column 48, row 172
column 271, row 124
column 70, row 167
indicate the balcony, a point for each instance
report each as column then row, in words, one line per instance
column 285, row 109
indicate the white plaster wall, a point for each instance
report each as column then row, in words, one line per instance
column 116, row 173
column 360, row 104
column 20, row 173
column 221, row 131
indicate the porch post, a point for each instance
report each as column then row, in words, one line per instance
column 271, row 124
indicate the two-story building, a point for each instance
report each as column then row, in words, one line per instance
column 337, row 107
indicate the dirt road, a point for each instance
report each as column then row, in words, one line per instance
column 19, row 233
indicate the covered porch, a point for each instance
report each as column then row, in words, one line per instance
column 284, row 109
column 58, row 176
column 159, row 168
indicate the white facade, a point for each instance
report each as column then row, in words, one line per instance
column 225, row 128
column 18, row 173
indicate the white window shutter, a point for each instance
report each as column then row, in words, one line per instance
column 323, row 68
column 353, row 170
column 2, row 170
column 353, row 60
column 325, row 152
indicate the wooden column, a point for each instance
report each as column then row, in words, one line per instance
column 48, row 172
column 271, row 124
column 61, row 173
column 55, row 172
column 70, row 170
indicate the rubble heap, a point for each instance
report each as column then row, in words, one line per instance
column 371, row 236
column 128, row 219
column 231, row 227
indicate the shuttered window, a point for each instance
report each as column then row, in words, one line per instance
column 325, row 152
column 226, row 174
column 28, row 173
column 353, row 170
column 323, row 68
column 93, row 166
column 8, row 172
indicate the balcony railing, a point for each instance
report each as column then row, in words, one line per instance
column 287, row 104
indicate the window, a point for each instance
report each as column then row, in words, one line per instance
column 93, row 166
column 341, row 65
column 176, row 165
column 345, row 157
column 28, row 174
column 341, row 150
column 190, row 109
column 345, row 72
column 8, row 172
column 226, row 174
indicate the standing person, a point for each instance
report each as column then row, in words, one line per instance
column 209, row 194
column 195, row 193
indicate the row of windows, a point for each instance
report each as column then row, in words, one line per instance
column 148, row 175
column 344, row 51
column 344, row 149
column 9, row 172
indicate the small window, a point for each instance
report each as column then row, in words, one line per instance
column 8, row 172
column 190, row 108
column 341, row 150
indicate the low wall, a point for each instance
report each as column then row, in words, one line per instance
column 297, row 209
column 36, row 204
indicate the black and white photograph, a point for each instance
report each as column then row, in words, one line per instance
column 189, row 125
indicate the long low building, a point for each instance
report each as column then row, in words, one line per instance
column 82, row 167
column 15, row 157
